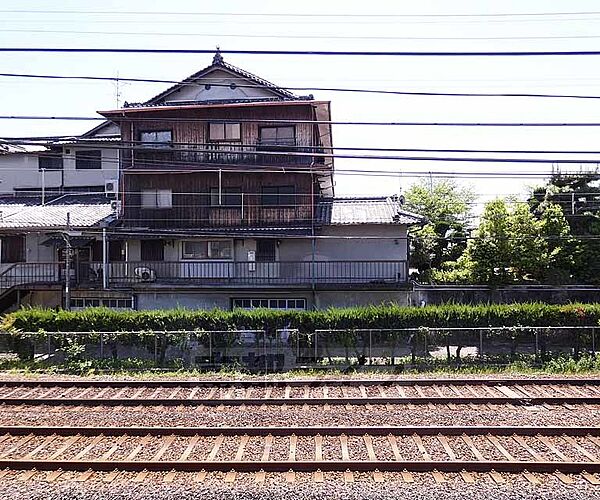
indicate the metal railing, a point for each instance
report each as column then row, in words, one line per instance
column 24, row 273
column 389, row 272
column 227, row 153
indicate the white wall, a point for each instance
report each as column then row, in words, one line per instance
column 21, row 171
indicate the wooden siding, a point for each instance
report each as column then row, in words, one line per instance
column 191, row 201
column 194, row 135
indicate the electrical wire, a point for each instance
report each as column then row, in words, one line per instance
column 274, row 121
column 295, row 88
column 374, row 53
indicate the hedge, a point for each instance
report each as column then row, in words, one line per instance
column 375, row 317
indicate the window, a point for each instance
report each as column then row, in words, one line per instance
column 224, row 132
column 157, row 198
column 250, row 303
column 277, row 136
column 83, row 302
column 278, row 196
column 265, row 250
column 156, row 139
column 115, row 251
column 51, row 160
column 203, row 250
column 12, row 249
column 152, row 250
column 88, row 160
column 230, row 197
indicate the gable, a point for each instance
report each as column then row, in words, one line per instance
column 217, row 84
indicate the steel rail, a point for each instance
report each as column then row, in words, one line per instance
column 298, row 401
column 306, row 466
column 346, row 464
column 300, row 383
column 407, row 430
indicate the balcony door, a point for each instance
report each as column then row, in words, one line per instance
column 152, row 250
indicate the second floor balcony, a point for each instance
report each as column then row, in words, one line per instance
column 224, row 153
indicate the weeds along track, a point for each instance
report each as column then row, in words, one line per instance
column 550, row 392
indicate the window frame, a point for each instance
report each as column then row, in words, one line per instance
column 270, row 301
column 269, row 143
column 88, row 161
column 225, row 193
column 156, row 144
column 225, row 138
column 51, row 157
column 157, row 204
column 22, row 251
column 277, row 197
column 190, row 256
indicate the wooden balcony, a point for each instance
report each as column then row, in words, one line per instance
column 222, row 153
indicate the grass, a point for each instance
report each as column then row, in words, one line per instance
column 587, row 364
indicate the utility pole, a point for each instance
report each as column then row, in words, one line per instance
column 104, row 259
column 67, row 239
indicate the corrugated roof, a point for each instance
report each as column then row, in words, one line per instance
column 28, row 213
column 8, row 148
column 365, row 210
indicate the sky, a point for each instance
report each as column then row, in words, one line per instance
column 335, row 25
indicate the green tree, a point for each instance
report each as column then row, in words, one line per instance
column 512, row 245
column 447, row 207
column 488, row 254
column 578, row 195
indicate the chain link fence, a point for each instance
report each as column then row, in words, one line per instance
column 286, row 349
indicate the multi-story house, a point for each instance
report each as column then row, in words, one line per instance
column 227, row 200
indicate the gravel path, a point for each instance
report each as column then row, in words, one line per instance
column 298, row 415
column 276, row 488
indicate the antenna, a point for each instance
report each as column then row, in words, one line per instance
column 117, row 90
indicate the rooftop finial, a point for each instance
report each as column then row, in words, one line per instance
column 218, row 58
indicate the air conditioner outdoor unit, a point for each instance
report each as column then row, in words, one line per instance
column 111, row 186
column 115, row 206
column 144, row 274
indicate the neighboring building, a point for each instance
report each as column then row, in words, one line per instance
column 80, row 165
column 227, row 200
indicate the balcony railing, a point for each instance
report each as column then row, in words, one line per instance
column 225, row 153
column 27, row 273
column 220, row 273
column 208, row 274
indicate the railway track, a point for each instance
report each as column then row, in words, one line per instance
column 315, row 450
column 302, row 392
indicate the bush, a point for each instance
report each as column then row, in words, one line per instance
column 375, row 317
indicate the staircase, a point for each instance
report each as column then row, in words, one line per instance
column 16, row 281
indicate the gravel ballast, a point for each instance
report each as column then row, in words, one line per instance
column 275, row 487
column 305, row 415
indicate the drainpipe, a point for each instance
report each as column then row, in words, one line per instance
column 43, row 186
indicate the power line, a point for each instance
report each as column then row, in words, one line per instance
column 35, row 141
column 529, row 53
column 287, row 121
column 310, row 155
column 307, row 37
column 302, row 14
column 316, row 89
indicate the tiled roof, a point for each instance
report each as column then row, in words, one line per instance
column 28, row 213
column 219, row 63
column 365, row 210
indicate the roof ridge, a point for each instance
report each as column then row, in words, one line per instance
column 219, row 62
